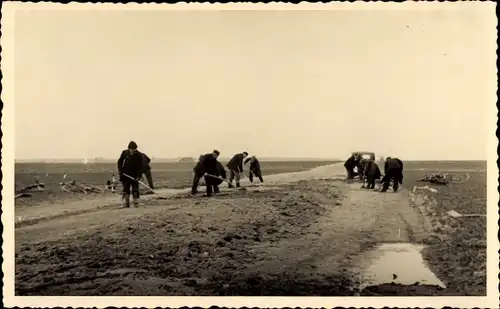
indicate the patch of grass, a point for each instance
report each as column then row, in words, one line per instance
column 458, row 255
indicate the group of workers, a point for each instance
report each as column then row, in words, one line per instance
column 214, row 172
column 133, row 164
column 368, row 170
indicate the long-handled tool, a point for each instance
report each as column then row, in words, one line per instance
column 220, row 178
column 145, row 185
column 216, row 177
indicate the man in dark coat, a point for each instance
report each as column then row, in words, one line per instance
column 393, row 169
column 254, row 169
column 362, row 165
column 131, row 167
column 372, row 172
column 147, row 171
column 235, row 166
column 206, row 165
column 349, row 166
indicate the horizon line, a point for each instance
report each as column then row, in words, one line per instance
column 102, row 160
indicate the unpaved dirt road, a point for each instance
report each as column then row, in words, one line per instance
column 299, row 234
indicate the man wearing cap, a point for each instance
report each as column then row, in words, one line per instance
column 131, row 167
column 254, row 169
column 235, row 166
column 206, row 165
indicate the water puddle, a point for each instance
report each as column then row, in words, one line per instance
column 398, row 263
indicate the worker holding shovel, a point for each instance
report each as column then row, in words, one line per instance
column 206, row 165
column 131, row 167
column 235, row 166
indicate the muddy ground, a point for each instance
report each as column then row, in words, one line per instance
column 183, row 246
column 296, row 237
column 456, row 248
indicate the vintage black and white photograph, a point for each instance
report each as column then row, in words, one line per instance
column 251, row 151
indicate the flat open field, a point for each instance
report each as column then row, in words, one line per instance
column 298, row 234
column 165, row 175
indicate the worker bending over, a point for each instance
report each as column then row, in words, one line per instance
column 147, row 170
column 254, row 169
column 207, row 164
column 235, row 166
column 393, row 170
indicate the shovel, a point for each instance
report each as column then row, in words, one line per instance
column 455, row 214
column 145, row 185
column 220, row 178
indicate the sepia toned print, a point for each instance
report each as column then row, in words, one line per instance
column 247, row 153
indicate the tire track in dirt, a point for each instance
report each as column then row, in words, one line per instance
column 362, row 220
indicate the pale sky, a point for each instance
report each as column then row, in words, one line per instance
column 412, row 84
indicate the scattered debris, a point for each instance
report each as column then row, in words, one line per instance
column 23, row 192
column 443, row 179
column 37, row 185
column 456, row 214
column 72, row 186
column 112, row 184
column 22, row 195
column 424, row 188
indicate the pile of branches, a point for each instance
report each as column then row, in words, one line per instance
column 23, row 192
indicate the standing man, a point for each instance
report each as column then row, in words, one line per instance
column 393, row 169
column 254, row 168
column 206, row 165
column 362, row 164
column 147, row 171
column 235, row 166
column 372, row 172
column 131, row 165
column 349, row 166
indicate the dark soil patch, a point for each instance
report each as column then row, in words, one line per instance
column 456, row 251
column 392, row 289
column 203, row 248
